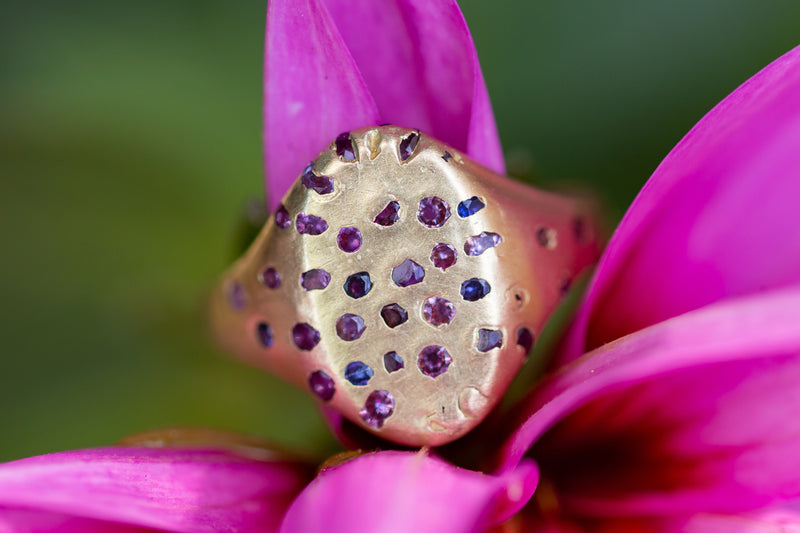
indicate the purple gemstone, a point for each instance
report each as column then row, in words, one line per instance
column 443, row 256
column 358, row 373
column 269, row 277
column 408, row 144
column 349, row 239
column 489, row 339
column 358, row 285
column 377, row 408
column 477, row 244
column 433, row 360
column 264, row 334
column 437, row 311
column 389, row 215
column 407, row 273
column 305, row 337
column 525, row 339
column 315, row 279
column 350, row 327
column 310, row 224
column 322, row 385
column 433, row 211
column 546, row 237
column 392, row 362
column 344, row 147
column 393, row 315
column 474, row 289
column 237, row 297
column 282, row 218
column 320, row 184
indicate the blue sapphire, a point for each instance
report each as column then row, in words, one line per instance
column 358, row 373
column 474, row 289
column 264, row 333
column 358, row 285
column 470, row 207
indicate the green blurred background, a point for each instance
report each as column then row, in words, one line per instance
column 130, row 144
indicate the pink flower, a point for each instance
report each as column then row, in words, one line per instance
column 682, row 416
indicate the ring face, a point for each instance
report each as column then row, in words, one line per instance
column 402, row 284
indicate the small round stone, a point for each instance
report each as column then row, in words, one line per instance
column 393, row 315
column 443, row 256
column 489, row 339
column 264, row 334
column 315, row 279
column 474, row 289
column 437, row 311
column 389, row 215
column 358, row 285
column 310, row 224
column 237, row 297
column 407, row 273
column 525, row 339
column 433, row 360
column 319, row 184
column 282, row 218
column 305, row 336
column 358, row 373
column 433, row 212
column 349, row 239
column 269, row 277
column 392, row 362
column 470, row 207
column 378, row 406
column 350, row 327
column 344, row 146
column 321, row 385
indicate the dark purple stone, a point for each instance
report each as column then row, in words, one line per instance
column 237, row 297
column 315, row 279
column 474, row 289
column 358, row 373
column 408, row 144
column 349, row 239
column 477, row 244
column 437, row 311
column 358, row 285
column 544, row 237
column 525, row 339
column 349, row 327
column 389, row 215
column 378, row 406
column 269, row 277
column 282, row 218
column 320, row 184
column 579, row 229
column 489, row 339
column 443, row 256
column 264, row 334
column 433, row 211
column 310, row 224
column 392, row 362
column 407, row 273
column 321, row 385
column 344, row 147
column 470, row 207
column 305, row 336
column 433, row 360
column 393, row 315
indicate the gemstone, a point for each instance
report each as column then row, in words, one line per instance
column 477, row 244
column 470, row 207
column 474, row 289
column 305, row 336
column 320, row 184
column 358, row 285
column 237, row 297
column 322, row 385
column 269, row 277
column 433, row 360
column 546, row 237
column 525, row 339
column 344, row 147
column 358, row 373
column 378, row 406
column 310, row 224
column 349, row 327
column 282, row 218
column 393, row 315
column 433, row 211
column 389, row 215
column 408, row 144
column 443, row 256
column 437, row 311
column 349, row 239
column 392, row 362
column 407, row 273
column 264, row 334
column 489, row 339
column 315, row 279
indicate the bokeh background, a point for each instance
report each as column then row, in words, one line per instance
column 130, row 146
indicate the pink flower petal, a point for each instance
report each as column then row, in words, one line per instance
column 37, row 521
column 189, row 490
column 718, row 218
column 695, row 413
column 403, row 491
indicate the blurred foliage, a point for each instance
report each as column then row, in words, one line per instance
column 130, row 145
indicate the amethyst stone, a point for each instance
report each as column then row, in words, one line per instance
column 349, row 327
column 282, row 218
column 437, row 311
column 474, row 289
column 470, row 207
column 344, row 147
column 408, row 144
column 269, row 277
column 237, row 297
column 407, row 273
column 320, row 184
column 358, row 373
column 477, row 244
column 433, row 211
column 358, row 285
column 443, row 256
column 489, row 339
column 304, row 336
column 310, row 224
column 377, row 408
column 264, row 334
column 393, row 315
column 349, row 239
column 389, row 215
column 315, row 279
column 322, row 385
column 433, row 360
column 525, row 339
column 392, row 362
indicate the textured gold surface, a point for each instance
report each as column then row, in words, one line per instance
column 546, row 241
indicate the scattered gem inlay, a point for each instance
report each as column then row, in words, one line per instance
column 310, row 224
column 408, row 144
column 443, row 256
column 477, row 244
column 344, row 147
column 489, row 339
column 392, row 362
column 319, row 184
column 393, row 315
column 264, row 334
column 350, row 327
column 358, row 285
column 433, row 212
column 470, row 206
column 315, row 279
column 474, row 289
column 434, row 360
column 378, row 406
column 437, row 311
column 321, row 385
column 305, row 336
column 270, row 278
column 349, row 239
column 525, row 339
column 389, row 215
column 282, row 218
column 407, row 273
column 358, row 373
